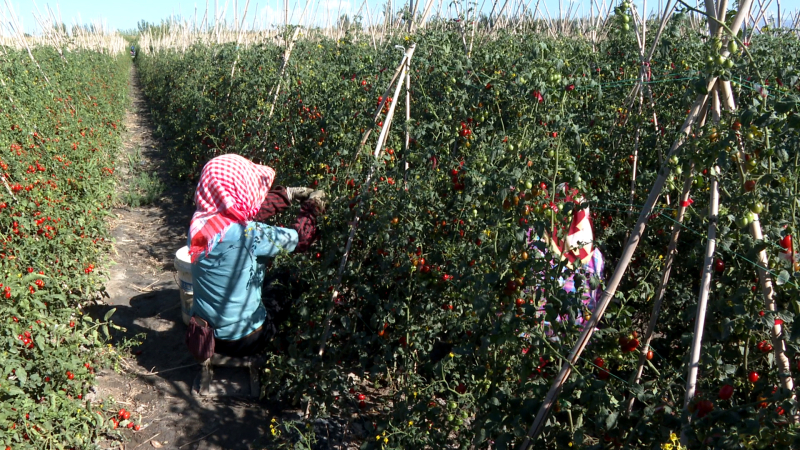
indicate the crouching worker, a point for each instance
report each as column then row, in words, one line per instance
column 576, row 247
column 230, row 248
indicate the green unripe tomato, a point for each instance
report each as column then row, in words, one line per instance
column 626, row 27
column 757, row 207
column 453, row 405
column 528, row 185
column 450, row 418
column 626, row 18
column 728, row 64
column 733, row 47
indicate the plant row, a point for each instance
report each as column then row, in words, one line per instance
column 441, row 309
column 60, row 127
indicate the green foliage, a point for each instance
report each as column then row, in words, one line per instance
column 142, row 188
column 440, row 257
column 58, row 140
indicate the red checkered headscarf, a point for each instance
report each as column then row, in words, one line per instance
column 231, row 189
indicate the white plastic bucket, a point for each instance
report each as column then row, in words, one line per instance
column 183, row 264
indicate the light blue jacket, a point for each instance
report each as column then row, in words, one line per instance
column 227, row 281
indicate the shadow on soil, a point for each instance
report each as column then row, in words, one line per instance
column 173, row 416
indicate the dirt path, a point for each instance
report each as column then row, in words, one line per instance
column 155, row 380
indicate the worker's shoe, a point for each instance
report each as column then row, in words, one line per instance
column 298, row 193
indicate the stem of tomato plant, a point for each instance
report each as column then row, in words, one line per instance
column 746, row 352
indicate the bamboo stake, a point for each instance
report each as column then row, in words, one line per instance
column 662, row 286
column 367, row 184
column 702, row 302
column 286, row 55
column 407, row 140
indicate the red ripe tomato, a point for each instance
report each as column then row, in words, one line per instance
column 542, row 185
column 764, row 346
column 137, row 427
column 362, row 404
column 70, row 375
column 786, row 243
column 599, row 362
column 554, row 134
column 725, row 392
column 520, row 302
column 461, row 388
column 362, row 397
column 623, row 341
column 752, row 376
column 704, row 407
column 121, row 413
column 749, row 185
column 631, row 346
column 603, row 374
column 649, row 355
column 719, row 265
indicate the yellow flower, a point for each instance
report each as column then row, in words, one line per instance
column 666, row 446
column 378, row 437
column 411, row 423
column 386, row 440
column 452, row 355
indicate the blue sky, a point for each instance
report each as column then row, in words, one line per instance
column 125, row 15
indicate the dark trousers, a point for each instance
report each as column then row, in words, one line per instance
column 257, row 341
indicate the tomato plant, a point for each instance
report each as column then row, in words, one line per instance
column 450, row 296
column 58, row 141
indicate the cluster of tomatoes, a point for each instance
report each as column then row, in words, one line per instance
column 123, row 419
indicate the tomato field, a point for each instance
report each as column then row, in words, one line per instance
column 441, row 284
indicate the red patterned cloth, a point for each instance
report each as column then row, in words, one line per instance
column 231, row 189
column 579, row 237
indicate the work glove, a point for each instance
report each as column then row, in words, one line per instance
column 298, row 193
column 317, row 200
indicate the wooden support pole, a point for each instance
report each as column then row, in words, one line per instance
column 702, row 302
column 367, row 184
column 662, row 286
